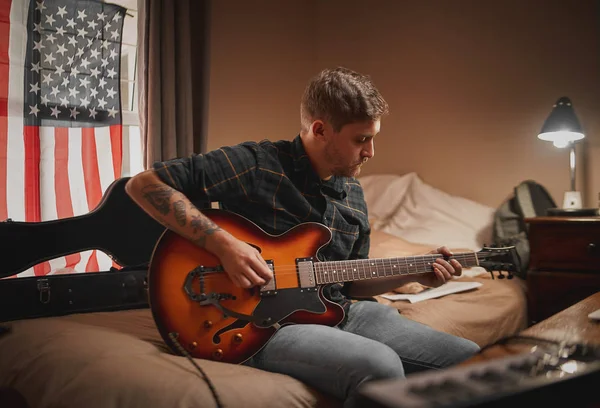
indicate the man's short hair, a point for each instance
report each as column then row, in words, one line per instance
column 341, row 96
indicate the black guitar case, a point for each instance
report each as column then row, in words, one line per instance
column 117, row 226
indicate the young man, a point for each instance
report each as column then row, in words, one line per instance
column 280, row 184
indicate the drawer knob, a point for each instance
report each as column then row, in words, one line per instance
column 593, row 249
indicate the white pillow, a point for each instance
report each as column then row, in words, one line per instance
column 422, row 214
column 384, row 194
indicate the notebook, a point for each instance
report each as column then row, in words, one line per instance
column 443, row 290
column 595, row 315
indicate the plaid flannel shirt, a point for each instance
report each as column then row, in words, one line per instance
column 274, row 185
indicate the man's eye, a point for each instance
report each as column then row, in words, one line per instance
column 362, row 140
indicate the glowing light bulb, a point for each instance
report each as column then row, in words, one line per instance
column 560, row 143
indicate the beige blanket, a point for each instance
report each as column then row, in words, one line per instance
column 118, row 359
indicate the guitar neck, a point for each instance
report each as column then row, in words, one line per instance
column 361, row 269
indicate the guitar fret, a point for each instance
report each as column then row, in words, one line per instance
column 394, row 271
column 422, row 263
column 322, row 273
column 430, row 261
column 355, row 268
column 331, row 272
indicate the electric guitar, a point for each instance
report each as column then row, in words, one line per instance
column 200, row 312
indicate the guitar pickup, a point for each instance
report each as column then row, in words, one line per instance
column 269, row 288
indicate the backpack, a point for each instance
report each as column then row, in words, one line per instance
column 530, row 199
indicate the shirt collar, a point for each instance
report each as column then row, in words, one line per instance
column 334, row 187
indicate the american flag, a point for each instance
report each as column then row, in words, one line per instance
column 60, row 114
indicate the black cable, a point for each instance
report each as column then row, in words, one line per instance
column 213, row 390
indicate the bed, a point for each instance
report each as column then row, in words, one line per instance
column 118, row 359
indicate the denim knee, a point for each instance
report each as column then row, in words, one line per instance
column 465, row 350
column 377, row 362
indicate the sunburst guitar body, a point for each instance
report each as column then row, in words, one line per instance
column 199, row 311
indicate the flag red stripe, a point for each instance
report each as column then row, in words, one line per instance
column 91, row 173
column 3, row 167
column 92, row 265
column 116, row 142
column 5, row 11
column 31, row 136
column 4, row 68
column 62, row 185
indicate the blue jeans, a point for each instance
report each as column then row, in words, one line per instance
column 376, row 342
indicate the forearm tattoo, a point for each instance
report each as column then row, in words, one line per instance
column 204, row 225
column 159, row 196
column 179, row 210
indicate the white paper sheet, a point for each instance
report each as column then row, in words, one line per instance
column 446, row 289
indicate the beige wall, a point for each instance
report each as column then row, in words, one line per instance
column 469, row 83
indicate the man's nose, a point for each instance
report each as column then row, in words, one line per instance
column 369, row 150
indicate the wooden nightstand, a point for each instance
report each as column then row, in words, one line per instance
column 564, row 265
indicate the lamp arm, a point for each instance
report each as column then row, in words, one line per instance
column 572, row 165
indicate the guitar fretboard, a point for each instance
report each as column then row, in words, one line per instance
column 361, row 269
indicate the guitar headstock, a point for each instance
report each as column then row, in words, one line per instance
column 501, row 259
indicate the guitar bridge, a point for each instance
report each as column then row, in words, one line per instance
column 269, row 288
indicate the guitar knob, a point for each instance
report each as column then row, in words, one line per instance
column 193, row 345
column 238, row 338
column 208, row 324
column 217, row 354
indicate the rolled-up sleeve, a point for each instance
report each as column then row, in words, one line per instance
column 223, row 174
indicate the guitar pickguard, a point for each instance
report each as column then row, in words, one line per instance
column 288, row 301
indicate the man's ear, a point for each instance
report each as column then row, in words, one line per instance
column 318, row 129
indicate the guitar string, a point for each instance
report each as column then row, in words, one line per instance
column 374, row 261
column 281, row 271
column 293, row 267
column 363, row 264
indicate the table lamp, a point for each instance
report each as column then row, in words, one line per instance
column 563, row 129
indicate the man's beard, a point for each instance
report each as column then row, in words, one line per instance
column 339, row 169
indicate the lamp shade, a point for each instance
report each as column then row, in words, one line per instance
column 562, row 126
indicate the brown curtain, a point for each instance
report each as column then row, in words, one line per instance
column 173, row 77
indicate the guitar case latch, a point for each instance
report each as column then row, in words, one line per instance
column 43, row 287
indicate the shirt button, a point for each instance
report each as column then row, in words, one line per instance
column 324, row 219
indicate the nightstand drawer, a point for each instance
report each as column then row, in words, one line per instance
column 564, row 243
